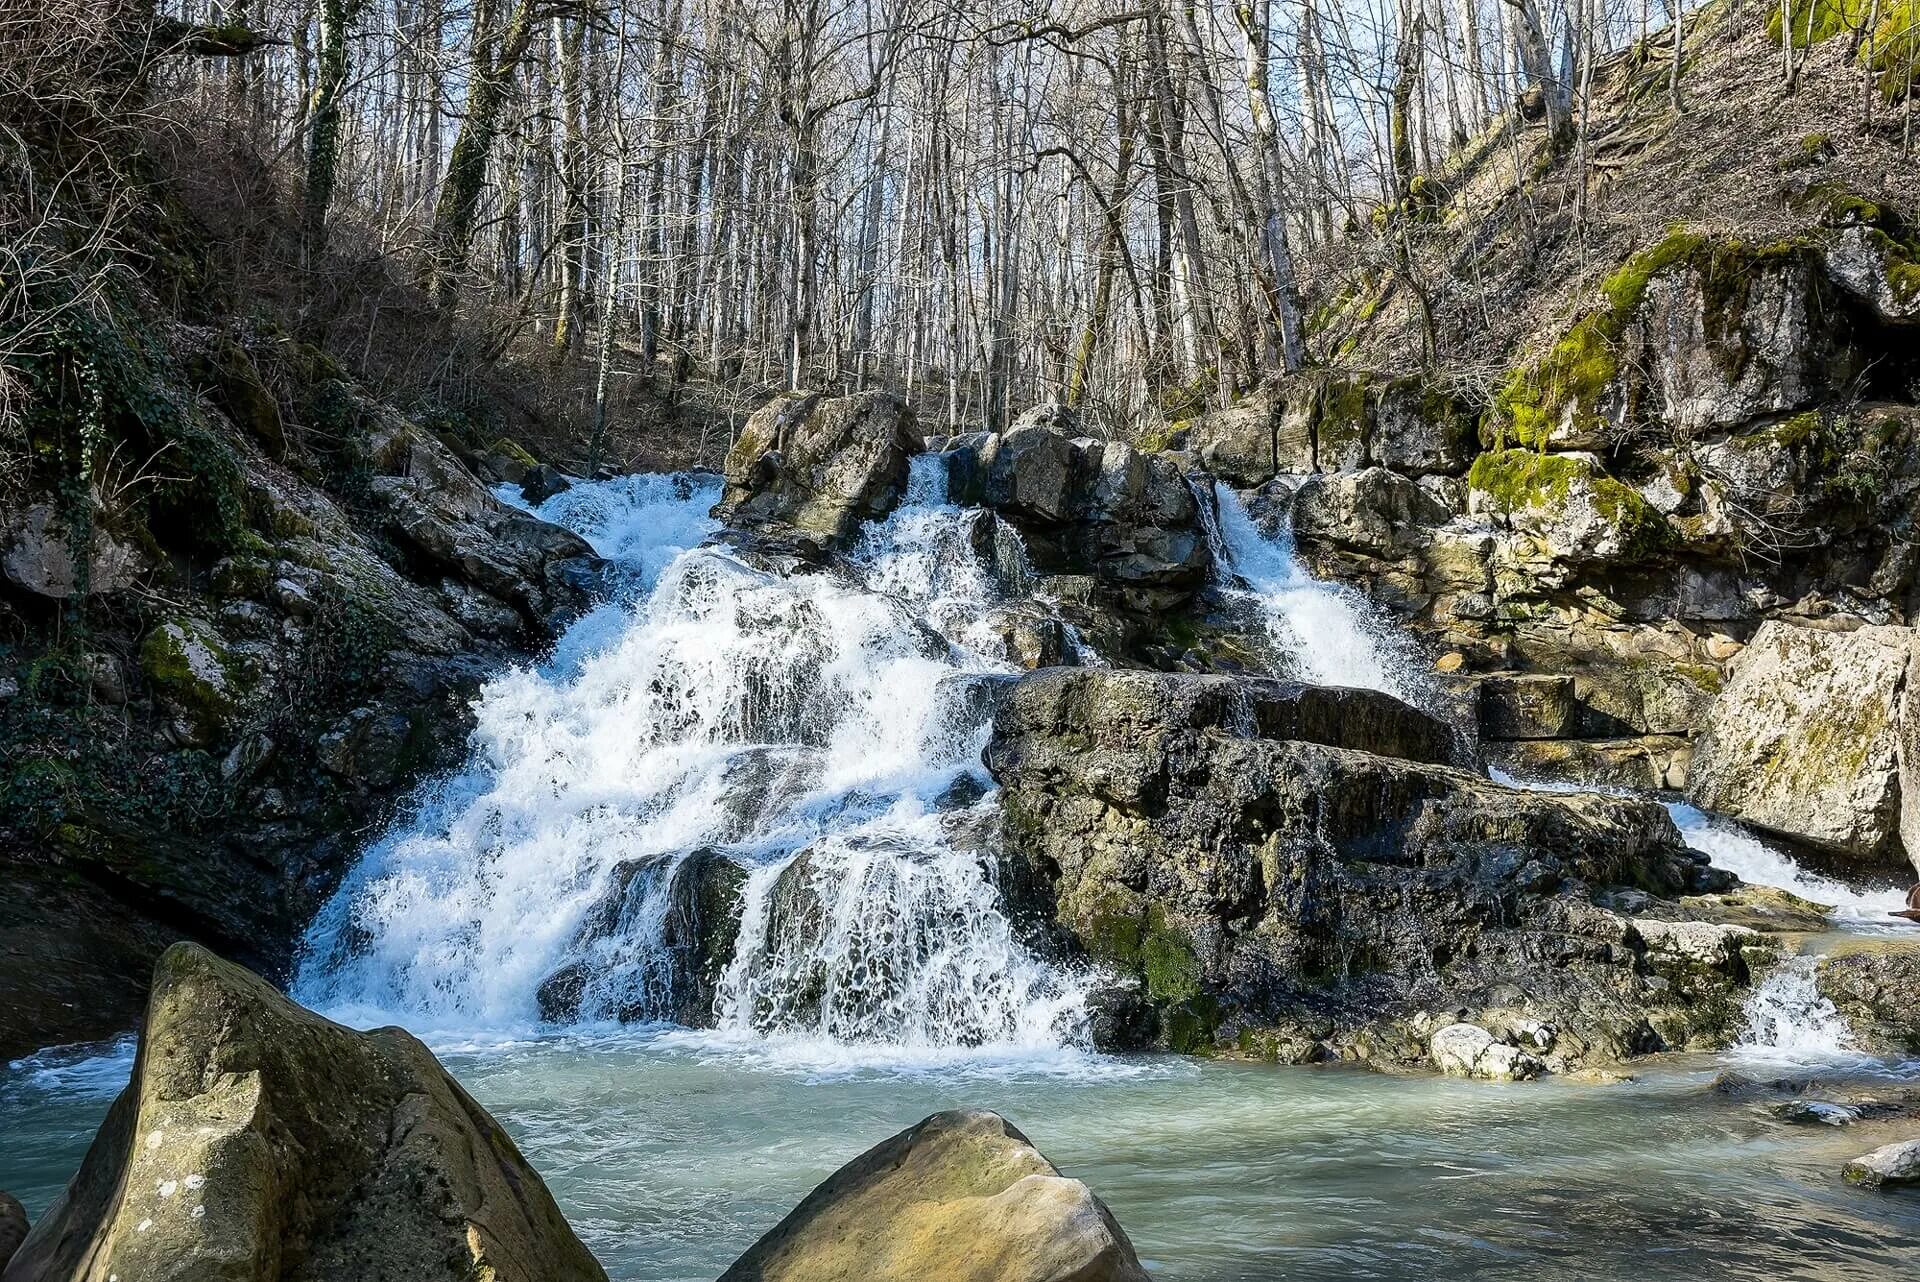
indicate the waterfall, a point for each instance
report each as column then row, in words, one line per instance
column 1752, row 860
column 821, row 731
column 1324, row 632
column 1788, row 1019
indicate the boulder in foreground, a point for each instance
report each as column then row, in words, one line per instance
column 961, row 1197
column 258, row 1142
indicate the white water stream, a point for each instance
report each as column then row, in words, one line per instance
column 827, row 726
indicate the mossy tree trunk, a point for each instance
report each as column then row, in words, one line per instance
column 496, row 59
column 336, row 19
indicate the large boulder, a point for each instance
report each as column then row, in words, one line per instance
column 259, row 1142
column 1311, row 888
column 961, row 1197
column 1804, row 738
column 809, row 468
column 1085, row 506
column 1896, row 1163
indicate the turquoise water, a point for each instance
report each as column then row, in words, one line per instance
column 670, row 1153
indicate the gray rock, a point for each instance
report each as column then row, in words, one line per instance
column 961, row 1197
column 1804, row 739
column 1876, row 986
column 37, row 556
column 260, row 1141
column 541, row 483
column 1086, row 507
column 1527, row 707
column 1467, row 1050
column 1897, row 1163
column 1272, row 877
column 811, row 468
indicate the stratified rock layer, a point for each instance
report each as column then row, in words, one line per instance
column 258, row 1142
column 1306, row 887
column 961, row 1197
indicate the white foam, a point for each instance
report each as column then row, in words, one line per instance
column 1327, row 632
column 733, row 709
column 1738, row 851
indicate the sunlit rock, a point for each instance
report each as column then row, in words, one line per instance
column 961, row 1197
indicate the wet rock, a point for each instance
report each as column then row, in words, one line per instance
column 1467, row 1050
column 1876, row 986
column 812, row 468
column 258, row 1141
column 1897, row 1163
column 1648, row 761
column 13, row 1227
column 1527, row 707
column 541, row 483
column 1805, row 738
column 370, row 746
column 962, row 1197
column 1085, row 506
column 1257, row 869
column 636, row 958
column 1813, row 1112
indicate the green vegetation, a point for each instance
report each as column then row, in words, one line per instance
column 1571, row 381
column 1887, row 32
column 1516, row 480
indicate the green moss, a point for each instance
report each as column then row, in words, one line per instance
column 1570, row 381
column 1515, row 480
column 511, row 448
column 186, row 661
column 1168, row 961
column 1887, row 33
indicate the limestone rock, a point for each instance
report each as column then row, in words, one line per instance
column 1897, row 1163
column 1468, row 1050
column 1804, row 738
column 1083, row 506
column 36, row 555
column 811, row 468
column 1267, row 433
column 1876, row 986
column 1377, row 512
column 1647, row 761
column 1860, row 259
column 196, row 677
column 961, row 1197
column 1563, row 509
column 1268, row 875
column 261, row 1143
column 1527, row 707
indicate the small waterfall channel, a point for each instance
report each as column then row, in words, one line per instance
column 811, row 741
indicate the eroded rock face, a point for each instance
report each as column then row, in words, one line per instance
column 961, row 1197
column 260, row 1142
column 810, row 468
column 1312, row 890
column 36, row 555
column 1805, row 738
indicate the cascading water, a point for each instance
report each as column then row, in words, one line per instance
column 1327, row 632
column 822, row 730
column 1788, row 1019
column 1748, row 857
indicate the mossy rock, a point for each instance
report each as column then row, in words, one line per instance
column 187, row 663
